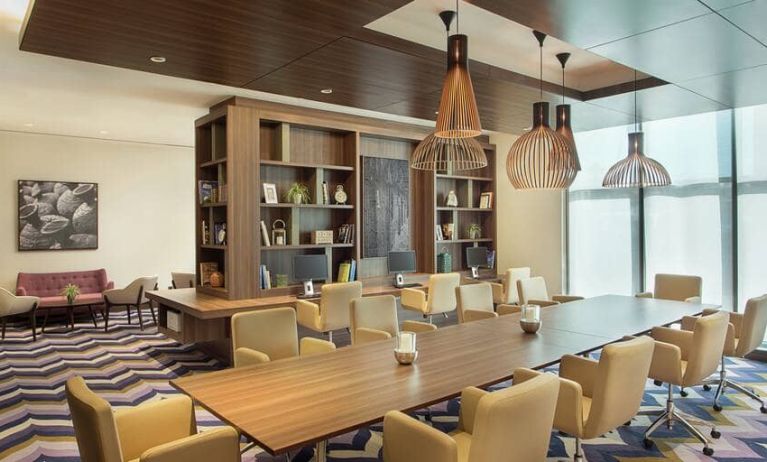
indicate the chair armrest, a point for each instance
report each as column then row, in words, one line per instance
column 498, row 293
column 696, row 299
column 476, row 315
column 216, row 444
column 566, row 298
column 680, row 338
column 418, row 326
column 470, row 397
column 110, row 285
column 152, row 424
column 308, row 314
column 21, row 290
column 249, row 357
column 688, row 323
column 408, row 440
column 736, row 319
column 644, row 295
column 309, row 346
column 413, row 298
column 666, row 363
column 508, row 309
column 569, row 415
column 542, row 303
column 367, row 335
column 580, row 370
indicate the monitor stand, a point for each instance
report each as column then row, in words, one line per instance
column 475, row 272
column 309, row 290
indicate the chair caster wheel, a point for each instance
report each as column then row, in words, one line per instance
column 763, row 409
column 715, row 434
column 708, row 451
column 657, row 383
column 647, row 443
column 717, row 408
column 707, row 387
column 684, row 393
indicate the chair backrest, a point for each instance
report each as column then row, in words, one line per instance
column 677, row 287
column 379, row 312
column 478, row 297
column 94, row 423
column 441, row 296
column 514, row 424
column 146, row 283
column 510, row 278
column 50, row 284
column 272, row 331
column 183, row 280
column 619, row 385
column 708, row 337
column 754, row 325
column 532, row 289
column 335, row 302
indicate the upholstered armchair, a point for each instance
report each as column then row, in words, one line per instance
column 532, row 291
column 13, row 305
column 513, row 425
column 475, row 302
column 506, row 293
column 160, row 431
column 676, row 287
column 598, row 396
column 375, row 318
column 332, row 313
column 133, row 295
column 441, row 297
column 268, row 335
column 182, row 280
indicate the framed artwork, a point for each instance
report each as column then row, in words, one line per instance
column 57, row 215
column 270, row 193
column 386, row 206
column 486, row 200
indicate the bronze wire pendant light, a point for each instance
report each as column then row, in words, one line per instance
column 448, row 154
column 458, row 115
column 541, row 158
column 563, row 116
column 636, row 169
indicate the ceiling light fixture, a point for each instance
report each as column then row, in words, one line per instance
column 326, row 91
column 541, row 158
column 563, row 116
column 636, row 170
column 157, row 59
column 458, row 114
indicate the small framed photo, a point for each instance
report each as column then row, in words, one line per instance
column 486, row 200
column 270, row 193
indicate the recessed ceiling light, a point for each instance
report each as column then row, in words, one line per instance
column 29, row 124
column 326, row 91
column 436, row 112
column 157, row 59
column 103, row 132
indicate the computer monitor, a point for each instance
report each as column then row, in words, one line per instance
column 306, row 268
column 476, row 257
column 401, row 262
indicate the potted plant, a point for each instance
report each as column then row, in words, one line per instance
column 71, row 291
column 298, row 194
column 475, row 232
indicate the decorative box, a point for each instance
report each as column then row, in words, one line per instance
column 322, row 236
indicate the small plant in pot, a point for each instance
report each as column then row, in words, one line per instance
column 298, row 194
column 475, row 232
column 71, row 291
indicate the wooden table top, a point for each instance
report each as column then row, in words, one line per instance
column 291, row 403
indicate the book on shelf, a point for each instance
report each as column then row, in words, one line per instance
column 223, row 193
column 208, row 191
column 265, row 235
column 206, row 269
column 438, row 233
column 204, row 234
column 346, row 234
column 347, row 271
column 491, row 259
column 325, row 194
column 265, row 278
column 353, row 271
column 219, row 233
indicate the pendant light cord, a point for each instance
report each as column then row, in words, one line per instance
column 636, row 116
column 457, row 19
column 563, row 84
column 540, row 60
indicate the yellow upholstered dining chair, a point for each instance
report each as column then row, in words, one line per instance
column 133, row 295
column 160, row 431
column 676, row 287
column 441, row 297
column 475, row 302
column 745, row 334
column 686, row 359
column 512, row 425
column 182, row 280
column 12, row 305
column 268, row 335
column 375, row 318
column 506, row 292
column 598, row 396
column 533, row 291
column 332, row 313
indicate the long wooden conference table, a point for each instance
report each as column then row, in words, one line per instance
column 288, row 404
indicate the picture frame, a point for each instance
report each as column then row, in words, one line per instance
column 270, row 193
column 486, row 200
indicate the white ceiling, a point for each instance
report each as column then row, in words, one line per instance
column 501, row 42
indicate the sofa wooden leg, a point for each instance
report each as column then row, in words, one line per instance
column 106, row 318
column 33, row 321
column 3, row 321
column 45, row 320
column 93, row 316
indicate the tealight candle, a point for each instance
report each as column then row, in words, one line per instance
column 406, row 342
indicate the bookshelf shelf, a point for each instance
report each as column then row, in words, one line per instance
column 464, row 241
column 309, row 206
column 214, row 204
column 280, row 163
column 305, row 246
column 213, row 163
column 213, row 247
column 464, row 177
column 464, row 209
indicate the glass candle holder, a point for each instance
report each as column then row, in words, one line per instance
column 405, row 352
column 530, row 319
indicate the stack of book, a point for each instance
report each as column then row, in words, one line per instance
column 208, row 191
column 346, row 234
column 265, row 278
column 347, row 271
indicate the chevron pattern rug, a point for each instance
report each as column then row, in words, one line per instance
column 128, row 366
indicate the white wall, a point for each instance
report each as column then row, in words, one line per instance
column 530, row 224
column 146, row 205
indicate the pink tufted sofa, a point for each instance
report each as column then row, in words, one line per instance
column 48, row 286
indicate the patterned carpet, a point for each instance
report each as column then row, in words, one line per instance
column 128, row 366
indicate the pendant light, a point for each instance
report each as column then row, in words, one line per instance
column 448, row 154
column 541, row 158
column 563, row 116
column 636, row 169
column 458, row 116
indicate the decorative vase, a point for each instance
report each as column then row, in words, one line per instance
column 475, row 233
column 452, row 199
column 216, row 279
column 297, row 199
column 71, row 299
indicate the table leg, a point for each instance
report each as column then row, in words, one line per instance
column 71, row 314
column 93, row 316
column 45, row 320
column 321, row 451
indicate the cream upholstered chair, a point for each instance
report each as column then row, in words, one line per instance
column 533, row 291
column 134, row 295
column 333, row 311
column 12, row 305
column 598, row 396
column 268, row 335
column 506, row 292
column 512, row 425
column 182, row 280
column 375, row 318
column 676, row 287
column 686, row 359
column 441, row 298
column 475, row 302
column 745, row 334
column 160, row 431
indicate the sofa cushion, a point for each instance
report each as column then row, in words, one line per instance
column 51, row 284
column 95, row 299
